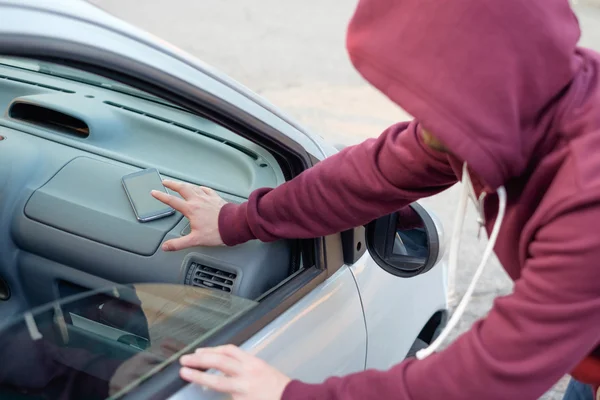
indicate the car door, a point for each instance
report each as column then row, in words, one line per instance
column 412, row 277
column 311, row 325
column 320, row 336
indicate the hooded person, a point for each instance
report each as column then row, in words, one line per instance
column 501, row 89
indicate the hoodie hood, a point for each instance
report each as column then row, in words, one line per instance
column 485, row 77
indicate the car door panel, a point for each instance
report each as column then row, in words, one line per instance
column 396, row 309
column 320, row 336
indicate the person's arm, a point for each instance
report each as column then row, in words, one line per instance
column 351, row 188
column 528, row 341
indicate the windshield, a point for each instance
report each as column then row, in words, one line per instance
column 104, row 343
column 78, row 76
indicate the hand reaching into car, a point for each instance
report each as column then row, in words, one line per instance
column 243, row 376
column 201, row 206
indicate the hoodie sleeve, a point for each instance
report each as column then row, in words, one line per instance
column 528, row 341
column 349, row 189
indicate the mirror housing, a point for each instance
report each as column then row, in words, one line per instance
column 406, row 243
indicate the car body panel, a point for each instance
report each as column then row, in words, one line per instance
column 396, row 309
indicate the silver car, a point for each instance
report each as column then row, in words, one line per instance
column 90, row 307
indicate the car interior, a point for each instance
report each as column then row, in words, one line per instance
column 68, row 231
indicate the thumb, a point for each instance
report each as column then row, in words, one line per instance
column 180, row 243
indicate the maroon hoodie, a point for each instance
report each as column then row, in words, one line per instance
column 504, row 86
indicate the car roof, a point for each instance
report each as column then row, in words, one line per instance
column 85, row 11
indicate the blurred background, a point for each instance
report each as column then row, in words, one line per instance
column 293, row 53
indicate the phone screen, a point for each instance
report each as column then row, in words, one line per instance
column 138, row 187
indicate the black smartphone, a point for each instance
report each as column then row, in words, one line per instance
column 138, row 187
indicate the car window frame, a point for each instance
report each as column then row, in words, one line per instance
column 325, row 255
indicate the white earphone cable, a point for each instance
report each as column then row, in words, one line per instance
column 501, row 192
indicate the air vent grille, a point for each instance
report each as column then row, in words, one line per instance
column 10, row 78
column 47, row 118
column 209, row 277
column 236, row 146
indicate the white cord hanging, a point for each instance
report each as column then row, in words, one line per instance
column 459, row 219
column 454, row 247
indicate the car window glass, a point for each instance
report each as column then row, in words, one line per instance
column 105, row 343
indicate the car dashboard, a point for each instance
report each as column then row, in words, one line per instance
column 66, row 223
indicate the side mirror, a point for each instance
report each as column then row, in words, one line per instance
column 405, row 243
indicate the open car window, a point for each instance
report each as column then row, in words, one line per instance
column 104, row 343
column 70, row 138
